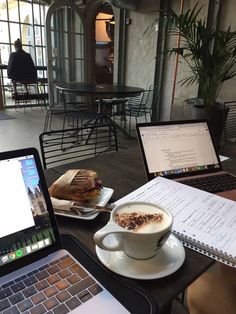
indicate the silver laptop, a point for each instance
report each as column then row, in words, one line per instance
column 184, row 151
column 37, row 275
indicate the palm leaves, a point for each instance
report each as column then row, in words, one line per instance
column 209, row 53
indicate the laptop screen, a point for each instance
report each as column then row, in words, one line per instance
column 173, row 149
column 25, row 224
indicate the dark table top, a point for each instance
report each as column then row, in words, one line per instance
column 124, row 173
column 100, row 90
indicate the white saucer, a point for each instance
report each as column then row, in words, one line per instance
column 169, row 259
column 101, row 200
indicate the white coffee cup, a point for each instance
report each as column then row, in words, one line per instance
column 135, row 241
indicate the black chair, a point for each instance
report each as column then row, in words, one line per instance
column 68, row 145
column 73, row 109
column 31, row 93
column 141, row 106
column 77, row 108
column 55, row 108
column 230, row 123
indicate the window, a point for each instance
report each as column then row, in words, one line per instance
column 24, row 19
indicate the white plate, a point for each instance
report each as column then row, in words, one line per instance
column 168, row 260
column 101, row 200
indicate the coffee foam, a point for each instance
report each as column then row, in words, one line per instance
column 142, row 218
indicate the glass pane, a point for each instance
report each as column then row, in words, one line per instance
column 39, row 56
column 42, row 73
column 13, row 11
column 14, row 32
column 43, row 11
column 7, row 81
column 79, row 46
column 26, row 48
column 62, row 70
column 3, row 10
column 36, row 13
column 77, row 70
column 59, row 20
column 4, row 53
column 4, row 34
column 70, row 20
column 44, row 57
column 60, row 46
column 42, row 34
column 25, row 12
column 27, row 35
column 7, row 87
column 38, row 40
column 78, row 26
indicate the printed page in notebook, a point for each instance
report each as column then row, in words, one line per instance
column 202, row 216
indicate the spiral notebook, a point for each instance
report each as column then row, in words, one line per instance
column 202, row 221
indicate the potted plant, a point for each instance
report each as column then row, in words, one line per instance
column 210, row 55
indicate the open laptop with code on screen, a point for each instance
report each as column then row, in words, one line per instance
column 184, row 151
column 36, row 274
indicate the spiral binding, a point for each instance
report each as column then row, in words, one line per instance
column 207, row 250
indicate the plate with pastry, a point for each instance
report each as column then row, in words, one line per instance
column 78, row 187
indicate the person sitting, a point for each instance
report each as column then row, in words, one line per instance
column 21, row 67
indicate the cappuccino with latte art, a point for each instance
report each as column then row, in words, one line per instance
column 142, row 219
column 140, row 229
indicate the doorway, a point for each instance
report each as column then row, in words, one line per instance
column 65, row 42
column 104, row 44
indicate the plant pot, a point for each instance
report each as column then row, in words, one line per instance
column 216, row 118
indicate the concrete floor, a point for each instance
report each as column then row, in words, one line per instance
column 23, row 131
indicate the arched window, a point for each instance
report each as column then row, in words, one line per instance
column 65, row 42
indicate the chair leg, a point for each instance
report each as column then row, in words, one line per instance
column 136, row 120
column 96, row 140
column 130, row 117
column 95, row 127
column 50, row 121
column 112, row 133
column 115, row 137
column 46, row 122
column 123, row 119
column 62, row 137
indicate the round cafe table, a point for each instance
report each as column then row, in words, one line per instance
column 101, row 92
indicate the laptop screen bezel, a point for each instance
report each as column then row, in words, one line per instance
column 43, row 252
column 151, row 176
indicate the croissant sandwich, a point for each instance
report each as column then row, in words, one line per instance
column 79, row 185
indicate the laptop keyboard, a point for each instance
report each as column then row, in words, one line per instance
column 213, row 183
column 58, row 287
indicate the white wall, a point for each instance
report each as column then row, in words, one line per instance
column 141, row 49
column 174, row 93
